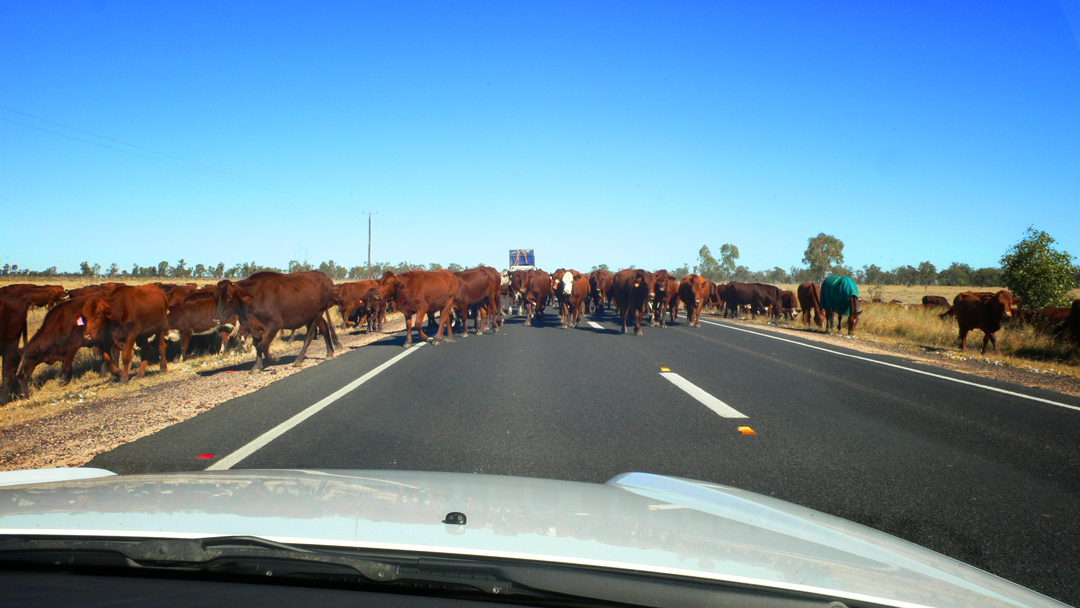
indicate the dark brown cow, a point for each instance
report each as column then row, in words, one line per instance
column 1074, row 321
column 478, row 290
column 12, row 330
column 758, row 296
column 176, row 293
column 416, row 293
column 349, row 297
column 195, row 315
column 984, row 311
column 666, row 301
column 571, row 290
column 268, row 302
column 694, row 290
column 89, row 290
column 661, row 276
column 518, row 280
column 128, row 315
column 633, row 291
column 57, row 340
column 600, row 283
column 35, row 295
column 1052, row 319
column 809, row 295
column 790, row 304
column 935, row 301
column 535, row 291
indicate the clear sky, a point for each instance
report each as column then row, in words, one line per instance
column 593, row 132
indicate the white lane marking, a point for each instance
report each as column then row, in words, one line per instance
column 908, row 369
column 595, row 325
column 714, row 404
column 279, row 430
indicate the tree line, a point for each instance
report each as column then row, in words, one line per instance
column 182, row 270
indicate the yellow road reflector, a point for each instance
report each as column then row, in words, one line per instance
column 745, row 430
column 664, row 369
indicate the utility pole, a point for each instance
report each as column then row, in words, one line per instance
column 369, row 244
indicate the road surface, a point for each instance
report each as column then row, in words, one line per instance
column 990, row 477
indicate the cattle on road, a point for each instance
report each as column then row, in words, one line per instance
column 352, row 297
column 666, row 302
column 417, row 292
column 633, row 289
column 759, row 297
column 693, row 292
column 571, row 290
column 268, row 302
column 600, row 283
column 478, row 290
column 535, row 289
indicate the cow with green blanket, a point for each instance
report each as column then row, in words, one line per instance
column 840, row 295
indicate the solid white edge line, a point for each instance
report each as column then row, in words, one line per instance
column 595, row 325
column 722, row 409
column 914, row 371
column 259, row 442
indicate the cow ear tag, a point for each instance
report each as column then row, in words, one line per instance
column 80, row 321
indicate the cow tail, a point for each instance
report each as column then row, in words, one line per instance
column 330, row 328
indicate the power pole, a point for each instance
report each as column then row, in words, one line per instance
column 369, row 245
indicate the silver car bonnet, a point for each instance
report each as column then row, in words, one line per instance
column 635, row 521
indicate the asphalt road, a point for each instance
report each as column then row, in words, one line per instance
column 989, row 478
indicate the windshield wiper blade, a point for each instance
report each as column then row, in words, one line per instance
column 246, row 555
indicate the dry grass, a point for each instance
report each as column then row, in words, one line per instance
column 915, row 327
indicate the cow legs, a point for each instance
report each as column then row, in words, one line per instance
column 262, row 347
column 963, row 337
column 333, row 339
column 989, row 337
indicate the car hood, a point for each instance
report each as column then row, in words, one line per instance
column 635, row 521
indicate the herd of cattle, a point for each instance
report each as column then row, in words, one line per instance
column 114, row 318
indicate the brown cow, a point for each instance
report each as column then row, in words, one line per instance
column 195, row 315
column 758, row 296
column 633, row 292
column 809, row 295
column 1073, row 321
column 128, row 315
column 349, row 297
column 268, row 302
column 984, row 311
column 478, row 290
column 1052, row 319
column 571, row 290
column 35, row 295
column 929, row 301
column 694, row 290
column 535, row 291
column 57, row 340
column 790, row 304
column 12, row 329
column 415, row 293
column 666, row 301
column 600, row 282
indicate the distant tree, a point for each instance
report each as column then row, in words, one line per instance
column 872, row 274
column 777, row 275
column 6, row 271
column 295, row 266
column 434, row 266
column 682, row 271
column 986, row 277
column 113, row 270
column 357, row 272
column 707, row 265
column 729, row 257
column 905, row 275
column 956, row 274
column 823, row 252
column 927, row 274
column 87, row 270
column 164, row 270
column 453, row 267
column 199, row 272
column 801, row 275
column 181, row 271
column 842, row 271
column 1037, row 273
column 600, row 267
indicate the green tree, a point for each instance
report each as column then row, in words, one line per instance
column 200, row 271
column 1037, row 273
column 113, row 270
column 927, row 274
column 905, row 275
column 87, row 270
column 219, row 271
column 163, row 270
column 729, row 257
column 682, row 271
column 776, row 275
column 455, row 267
column 707, row 265
column 956, row 274
column 823, row 252
column 434, row 266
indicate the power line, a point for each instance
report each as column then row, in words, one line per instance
column 243, row 179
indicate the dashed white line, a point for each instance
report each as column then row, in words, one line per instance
column 912, row 370
column 714, row 404
column 279, row 430
column 595, row 325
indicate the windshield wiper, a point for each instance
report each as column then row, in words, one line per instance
column 246, row 555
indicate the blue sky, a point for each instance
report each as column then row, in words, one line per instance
column 618, row 133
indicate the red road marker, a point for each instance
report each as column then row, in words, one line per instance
column 206, row 455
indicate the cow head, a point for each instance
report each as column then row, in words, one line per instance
column 856, row 312
column 388, row 286
column 1006, row 301
column 567, row 281
column 231, row 299
column 96, row 314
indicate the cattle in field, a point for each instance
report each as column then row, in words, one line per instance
column 1051, row 319
column 194, row 315
column 417, row 292
column 757, row 296
column 89, row 290
column 12, row 329
column 929, row 301
column 57, row 340
column 665, row 302
column 571, row 290
column 535, row 292
column 694, row 290
column 349, row 297
column 790, row 304
column 840, row 295
column 268, row 302
column 35, row 295
column 600, row 283
column 1073, row 322
column 128, row 315
column 478, row 290
column 809, row 295
column 633, row 289
column 985, row 311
